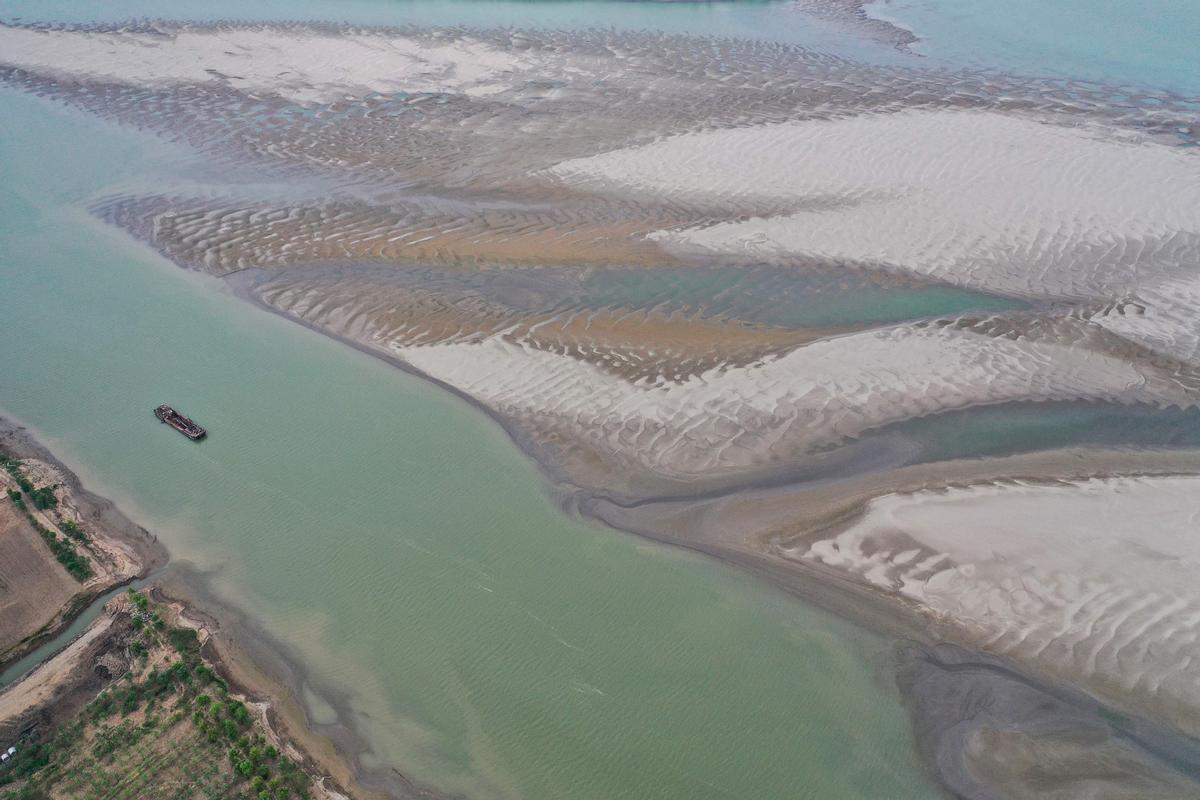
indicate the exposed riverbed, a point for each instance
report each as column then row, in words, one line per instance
column 727, row 296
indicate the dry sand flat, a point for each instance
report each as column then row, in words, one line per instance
column 1040, row 207
column 305, row 66
column 34, row 588
column 1090, row 579
column 739, row 420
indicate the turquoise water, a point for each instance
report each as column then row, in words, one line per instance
column 1027, row 427
column 395, row 539
column 1144, row 43
column 753, row 19
column 782, row 297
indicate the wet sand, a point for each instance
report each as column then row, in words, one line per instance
column 754, row 528
column 266, row 668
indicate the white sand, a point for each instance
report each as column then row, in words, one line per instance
column 1095, row 579
column 978, row 199
column 301, row 65
column 1164, row 319
column 750, row 417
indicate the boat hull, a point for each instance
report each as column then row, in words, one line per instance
column 179, row 422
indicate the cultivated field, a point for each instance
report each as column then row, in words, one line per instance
column 34, row 587
column 166, row 729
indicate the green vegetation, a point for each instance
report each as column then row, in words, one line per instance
column 43, row 499
column 63, row 549
column 166, row 732
column 13, row 467
column 70, row 528
column 66, row 554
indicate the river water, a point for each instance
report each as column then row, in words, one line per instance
column 1142, row 44
column 394, row 538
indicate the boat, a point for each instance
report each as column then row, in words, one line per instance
column 180, row 423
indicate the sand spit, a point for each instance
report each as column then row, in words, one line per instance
column 1090, row 580
column 741, row 422
column 633, row 404
column 1025, row 739
column 1049, row 559
column 303, row 66
column 996, row 720
column 852, row 15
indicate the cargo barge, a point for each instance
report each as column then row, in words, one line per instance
column 180, row 423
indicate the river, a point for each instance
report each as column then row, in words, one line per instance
column 391, row 535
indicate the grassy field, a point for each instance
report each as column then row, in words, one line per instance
column 166, row 730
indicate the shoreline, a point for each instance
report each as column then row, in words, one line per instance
column 249, row 658
column 641, row 517
column 264, row 667
column 106, row 520
column 754, row 546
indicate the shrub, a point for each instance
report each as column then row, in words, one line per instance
column 70, row 528
column 65, row 552
column 187, row 643
column 43, row 498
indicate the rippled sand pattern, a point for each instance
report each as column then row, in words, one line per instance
column 1091, row 577
column 224, row 239
column 678, row 267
